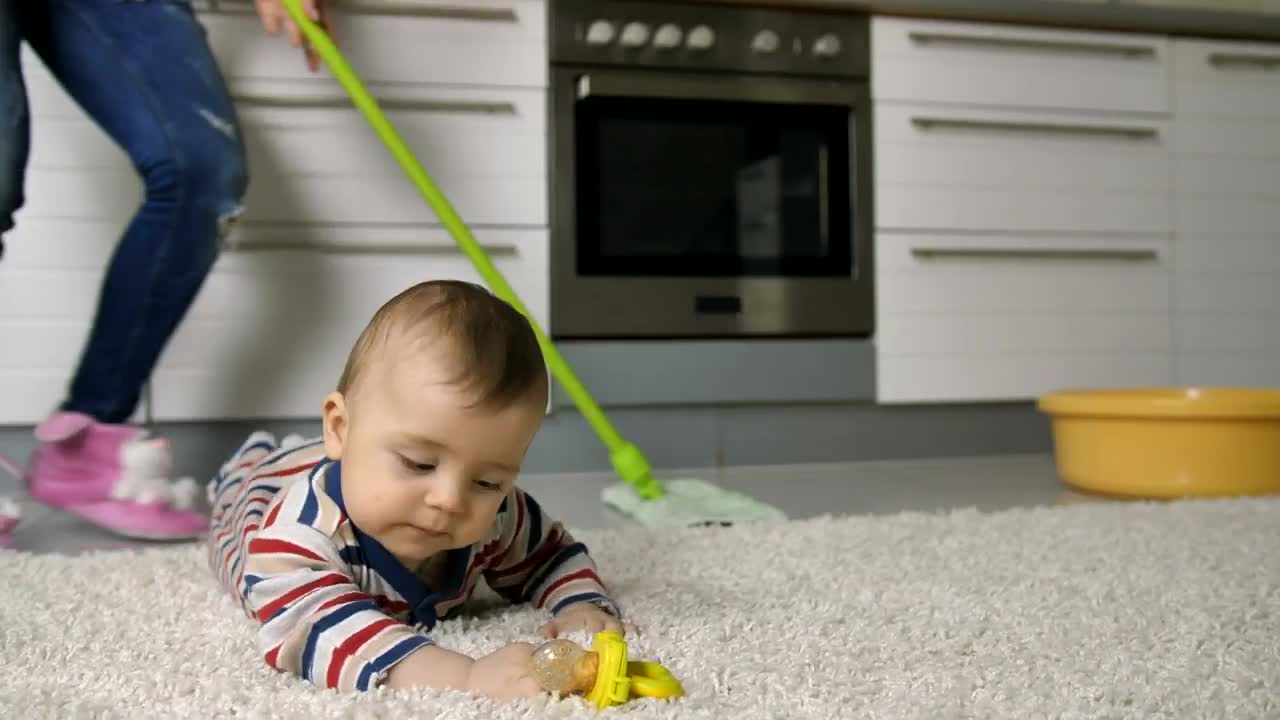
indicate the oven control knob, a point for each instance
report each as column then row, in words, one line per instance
column 668, row 36
column 826, row 46
column 765, row 42
column 634, row 34
column 600, row 32
column 701, row 38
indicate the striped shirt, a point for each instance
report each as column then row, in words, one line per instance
column 332, row 604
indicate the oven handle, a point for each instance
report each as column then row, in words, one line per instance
column 681, row 87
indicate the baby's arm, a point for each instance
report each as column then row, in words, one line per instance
column 314, row 620
column 541, row 562
column 318, row 624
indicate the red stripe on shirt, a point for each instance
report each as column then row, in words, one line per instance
column 271, row 516
column 345, row 598
column 515, row 535
column 267, row 546
column 328, row 580
column 273, row 656
column 351, row 646
column 549, row 546
column 287, row 470
column 583, row 574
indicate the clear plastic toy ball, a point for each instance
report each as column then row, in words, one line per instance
column 563, row 666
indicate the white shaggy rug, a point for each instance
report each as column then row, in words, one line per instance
column 1089, row 611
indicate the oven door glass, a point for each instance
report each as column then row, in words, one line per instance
column 712, row 187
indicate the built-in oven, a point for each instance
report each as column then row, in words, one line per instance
column 711, row 171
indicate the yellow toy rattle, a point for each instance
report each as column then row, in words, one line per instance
column 603, row 674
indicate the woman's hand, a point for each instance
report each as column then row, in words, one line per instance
column 274, row 16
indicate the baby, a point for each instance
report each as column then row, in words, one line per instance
column 348, row 548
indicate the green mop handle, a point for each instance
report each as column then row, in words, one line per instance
column 627, row 459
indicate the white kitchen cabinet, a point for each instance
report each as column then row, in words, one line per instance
column 446, row 42
column 997, row 65
column 315, row 160
column 964, row 168
column 986, row 317
column 1227, row 220
column 271, row 330
column 1023, row 210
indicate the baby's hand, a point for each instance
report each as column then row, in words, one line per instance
column 504, row 674
column 584, row 616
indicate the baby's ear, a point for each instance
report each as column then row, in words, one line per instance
column 336, row 423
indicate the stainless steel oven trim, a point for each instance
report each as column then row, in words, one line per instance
column 733, row 88
column 791, row 306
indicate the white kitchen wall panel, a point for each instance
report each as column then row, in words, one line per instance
column 1227, row 212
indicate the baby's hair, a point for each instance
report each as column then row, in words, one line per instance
column 492, row 344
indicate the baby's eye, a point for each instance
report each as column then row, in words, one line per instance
column 416, row 466
column 488, row 486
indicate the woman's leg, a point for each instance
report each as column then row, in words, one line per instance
column 14, row 143
column 144, row 72
column 14, row 132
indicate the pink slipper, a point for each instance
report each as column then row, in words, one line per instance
column 114, row 476
column 9, row 511
column 9, row 517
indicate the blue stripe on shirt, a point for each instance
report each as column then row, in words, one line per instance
column 535, row 523
column 310, row 507
column 580, row 597
column 561, row 557
column 335, row 616
column 393, row 654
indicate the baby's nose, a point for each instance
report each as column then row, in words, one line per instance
column 447, row 496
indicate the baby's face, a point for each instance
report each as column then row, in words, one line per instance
column 421, row 471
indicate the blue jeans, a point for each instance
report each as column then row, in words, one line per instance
column 144, row 72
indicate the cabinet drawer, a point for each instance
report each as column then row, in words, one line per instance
column 1227, row 79
column 1002, row 65
column 314, row 159
column 1005, row 317
column 979, row 169
column 270, row 331
column 477, row 42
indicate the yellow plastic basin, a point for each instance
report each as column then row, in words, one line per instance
column 1167, row 442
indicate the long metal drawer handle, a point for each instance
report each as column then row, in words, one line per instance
column 479, row 107
column 340, row 248
column 1038, row 253
column 1134, row 132
column 1240, row 60
column 387, row 8
column 1077, row 46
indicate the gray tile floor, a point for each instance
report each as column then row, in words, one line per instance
column 990, row 483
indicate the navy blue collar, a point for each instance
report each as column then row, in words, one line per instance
column 415, row 592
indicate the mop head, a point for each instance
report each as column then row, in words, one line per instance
column 689, row 502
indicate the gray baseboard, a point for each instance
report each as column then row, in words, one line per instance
column 645, row 373
column 693, row 437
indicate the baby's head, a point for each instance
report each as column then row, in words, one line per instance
column 440, row 399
